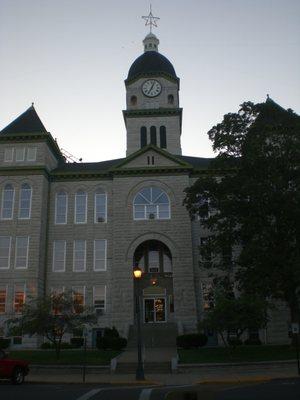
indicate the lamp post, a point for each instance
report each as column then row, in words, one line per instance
column 139, row 375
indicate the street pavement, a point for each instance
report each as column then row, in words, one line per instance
column 272, row 390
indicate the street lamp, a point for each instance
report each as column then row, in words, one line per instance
column 139, row 375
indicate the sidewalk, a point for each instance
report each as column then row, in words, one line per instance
column 211, row 374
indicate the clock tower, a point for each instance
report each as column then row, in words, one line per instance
column 152, row 114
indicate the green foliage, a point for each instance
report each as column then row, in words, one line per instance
column 111, row 332
column 4, row 343
column 253, row 192
column 111, row 340
column 77, row 342
column 252, row 342
column 52, row 317
column 235, row 315
column 63, row 345
column 192, row 340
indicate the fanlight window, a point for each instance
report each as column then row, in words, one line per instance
column 151, row 203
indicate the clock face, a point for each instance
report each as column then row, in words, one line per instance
column 151, row 88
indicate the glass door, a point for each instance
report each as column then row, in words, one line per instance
column 155, row 310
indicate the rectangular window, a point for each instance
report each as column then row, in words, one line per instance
column 207, row 295
column 31, row 154
column 139, row 212
column 22, row 248
column 56, row 296
column 9, row 154
column 78, row 298
column 100, row 255
column 61, row 208
column 164, row 211
column 153, row 260
column 79, row 255
column 19, row 298
column 5, row 246
column 7, row 206
column 59, row 256
column 3, row 295
column 25, row 202
column 100, row 207
column 99, row 298
column 80, row 207
column 20, row 154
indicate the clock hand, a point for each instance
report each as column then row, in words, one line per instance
column 151, row 87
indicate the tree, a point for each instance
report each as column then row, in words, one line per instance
column 253, row 192
column 53, row 316
column 234, row 315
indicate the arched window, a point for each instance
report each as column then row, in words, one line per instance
column 153, row 135
column 25, row 201
column 100, row 206
column 80, row 207
column 163, row 137
column 143, row 136
column 7, row 207
column 151, row 203
column 133, row 100
column 170, row 99
column 61, row 207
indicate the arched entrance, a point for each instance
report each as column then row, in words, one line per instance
column 155, row 289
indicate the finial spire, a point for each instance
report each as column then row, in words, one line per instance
column 150, row 19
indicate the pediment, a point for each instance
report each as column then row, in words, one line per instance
column 151, row 157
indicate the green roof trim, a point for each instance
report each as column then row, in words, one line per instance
column 152, row 112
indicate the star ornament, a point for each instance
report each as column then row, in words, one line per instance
column 150, row 20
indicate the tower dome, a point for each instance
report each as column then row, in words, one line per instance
column 151, row 62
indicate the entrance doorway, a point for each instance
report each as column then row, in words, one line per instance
column 154, row 310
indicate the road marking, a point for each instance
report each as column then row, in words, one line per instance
column 145, row 394
column 89, row 394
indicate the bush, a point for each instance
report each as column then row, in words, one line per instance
column 191, row 340
column 252, row 342
column 111, row 332
column 64, row 345
column 235, row 342
column 46, row 346
column 113, row 343
column 4, row 343
column 77, row 342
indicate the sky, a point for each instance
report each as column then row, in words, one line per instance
column 71, row 57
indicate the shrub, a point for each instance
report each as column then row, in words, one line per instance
column 4, row 343
column 252, row 342
column 113, row 343
column 77, row 342
column 63, row 345
column 191, row 340
column 234, row 342
column 111, row 332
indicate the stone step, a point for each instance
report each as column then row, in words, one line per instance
column 154, row 335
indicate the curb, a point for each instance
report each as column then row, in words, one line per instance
column 108, row 383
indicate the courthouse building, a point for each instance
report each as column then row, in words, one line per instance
column 82, row 226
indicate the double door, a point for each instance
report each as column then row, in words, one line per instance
column 154, row 310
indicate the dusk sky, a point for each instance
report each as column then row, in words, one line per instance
column 70, row 57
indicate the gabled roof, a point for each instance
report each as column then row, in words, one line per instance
column 164, row 153
column 28, row 122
